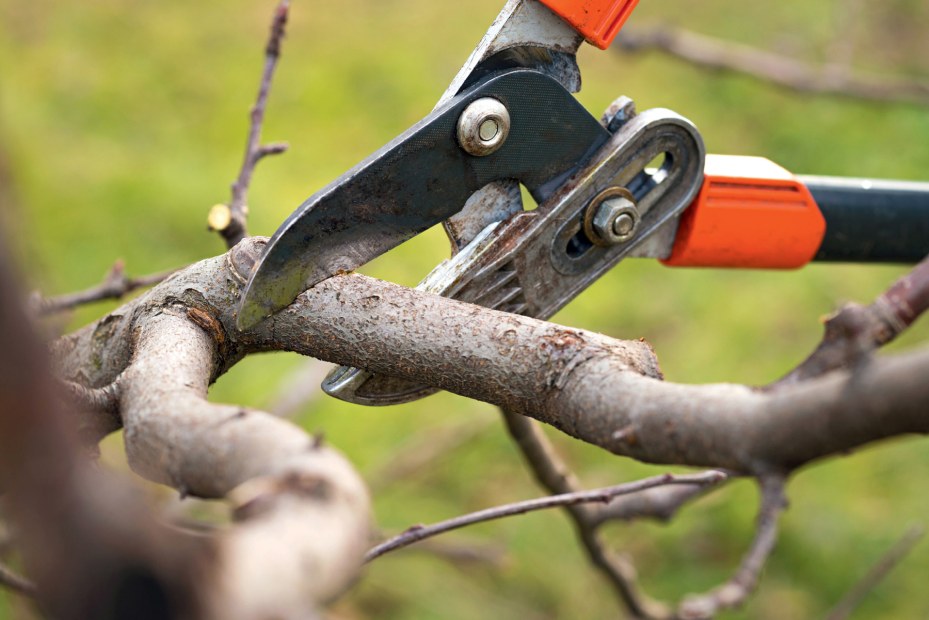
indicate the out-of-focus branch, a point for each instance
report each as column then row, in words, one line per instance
column 553, row 474
column 115, row 285
column 230, row 221
column 420, row 532
column 301, row 511
column 734, row 592
column 878, row 572
column 707, row 52
column 855, row 330
column 15, row 582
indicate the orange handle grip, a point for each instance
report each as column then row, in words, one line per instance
column 749, row 213
column 599, row 21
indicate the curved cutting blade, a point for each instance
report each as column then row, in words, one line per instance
column 418, row 180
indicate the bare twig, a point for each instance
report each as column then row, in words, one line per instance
column 660, row 504
column 878, row 572
column 115, row 285
column 855, row 330
column 230, row 220
column 735, row 591
column 553, row 474
column 420, row 532
column 712, row 53
column 15, row 582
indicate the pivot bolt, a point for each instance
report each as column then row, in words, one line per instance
column 612, row 217
column 483, row 127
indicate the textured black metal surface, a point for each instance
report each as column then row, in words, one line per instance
column 418, row 180
column 872, row 221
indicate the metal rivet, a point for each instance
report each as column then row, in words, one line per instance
column 611, row 217
column 483, row 127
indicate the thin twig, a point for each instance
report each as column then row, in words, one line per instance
column 230, row 220
column 735, row 591
column 420, row 532
column 115, row 285
column 553, row 474
column 855, row 330
column 707, row 52
column 16, row 582
column 660, row 504
column 878, row 572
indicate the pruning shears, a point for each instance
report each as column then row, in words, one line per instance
column 632, row 183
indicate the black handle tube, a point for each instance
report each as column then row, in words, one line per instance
column 871, row 221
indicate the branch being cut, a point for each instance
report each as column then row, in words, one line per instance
column 707, row 52
column 603, row 391
column 230, row 220
column 420, row 532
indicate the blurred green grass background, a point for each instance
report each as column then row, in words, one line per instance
column 123, row 121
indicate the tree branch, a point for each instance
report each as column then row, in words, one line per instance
column 707, row 52
column 553, row 474
column 15, row 582
column 734, row 592
column 855, row 331
column 878, row 572
column 115, row 285
column 600, row 390
column 419, row 532
column 230, row 220
column 301, row 512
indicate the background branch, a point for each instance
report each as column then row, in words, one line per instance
column 420, row 532
column 878, row 572
column 115, row 285
column 709, row 53
column 855, row 330
column 553, row 474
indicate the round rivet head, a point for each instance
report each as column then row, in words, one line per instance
column 483, row 127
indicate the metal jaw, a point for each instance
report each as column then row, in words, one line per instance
column 535, row 262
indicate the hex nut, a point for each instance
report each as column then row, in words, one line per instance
column 612, row 217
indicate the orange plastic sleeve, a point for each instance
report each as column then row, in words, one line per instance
column 599, row 21
column 750, row 212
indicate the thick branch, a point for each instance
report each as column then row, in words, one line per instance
column 597, row 389
column 302, row 513
column 707, row 52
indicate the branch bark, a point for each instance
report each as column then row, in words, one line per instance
column 603, row 391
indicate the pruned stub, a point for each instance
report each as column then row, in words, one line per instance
column 563, row 350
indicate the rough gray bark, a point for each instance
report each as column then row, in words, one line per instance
column 600, row 390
